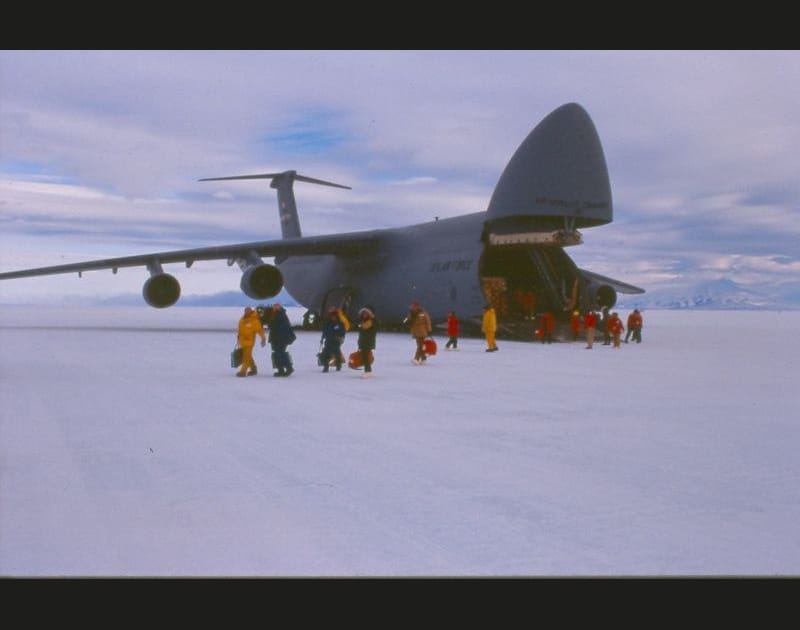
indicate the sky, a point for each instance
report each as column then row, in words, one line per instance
column 100, row 153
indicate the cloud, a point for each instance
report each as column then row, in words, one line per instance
column 415, row 181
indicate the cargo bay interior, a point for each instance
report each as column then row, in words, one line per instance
column 522, row 281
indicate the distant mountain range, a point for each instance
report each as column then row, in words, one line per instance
column 712, row 295
column 225, row 298
column 716, row 295
column 234, row 298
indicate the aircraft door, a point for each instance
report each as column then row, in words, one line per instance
column 510, row 283
column 520, row 281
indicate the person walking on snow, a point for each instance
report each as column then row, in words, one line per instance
column 343, row 318
column 346, row 323
column 249, row 327
column 452, row 331
column 615, row 328
column 489, row 327
column 281, row 336
column 367, row 331
column 420, row 324
column 604, row 326
column 589, row 325
column 634, row 326
column 575, row 325
column 332, row 338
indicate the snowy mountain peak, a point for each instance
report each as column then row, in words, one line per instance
column 722, row 293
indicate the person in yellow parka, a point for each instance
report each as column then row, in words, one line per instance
column 249, row 326
column 489, row 327
column 346, row 322
column 343, row 319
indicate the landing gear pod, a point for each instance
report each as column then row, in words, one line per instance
column 161, row 290
column 311, row 320
column 261, row 281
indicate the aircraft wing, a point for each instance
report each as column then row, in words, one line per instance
column 346, row 244
column 617, row 285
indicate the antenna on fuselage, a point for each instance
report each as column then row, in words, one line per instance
column 284, row 183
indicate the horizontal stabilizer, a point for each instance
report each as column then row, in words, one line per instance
column 293, row 174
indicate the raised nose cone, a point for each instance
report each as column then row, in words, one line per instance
column 558, row 171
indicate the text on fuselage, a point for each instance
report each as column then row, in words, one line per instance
column 452, row 265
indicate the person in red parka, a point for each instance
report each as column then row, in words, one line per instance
column 452, row 331
column 589, row 325
column 575, row 325
column 634, row 326
column 615, row 328
column 547, row 326
column 528, row 304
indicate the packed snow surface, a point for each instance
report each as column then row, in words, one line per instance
column 128, row 448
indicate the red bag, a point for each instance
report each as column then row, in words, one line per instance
column 354, row 360
column 429, row 345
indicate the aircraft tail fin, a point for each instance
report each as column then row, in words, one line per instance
column 284, row 184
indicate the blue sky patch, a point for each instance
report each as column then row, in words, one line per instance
column 314, row 133
column 21, row 168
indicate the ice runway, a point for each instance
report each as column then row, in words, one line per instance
column 128, row 448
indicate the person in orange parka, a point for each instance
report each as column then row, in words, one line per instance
column 249, row 326
column 615, row 328
column 589, row 325
column 452, row 331
column 547, row 327
column 575, row 325
column 634, row 326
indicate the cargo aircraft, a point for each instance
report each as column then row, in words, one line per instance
column 511, row 255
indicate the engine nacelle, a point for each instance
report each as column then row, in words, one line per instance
column 262, row 281
column 601, row 295
column 161, row 290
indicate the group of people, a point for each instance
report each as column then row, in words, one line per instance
column 333, row 333
column 281, row 334
column 609, row 324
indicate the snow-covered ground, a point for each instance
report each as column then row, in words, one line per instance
column 128, row 448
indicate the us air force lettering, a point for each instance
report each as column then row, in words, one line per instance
column 512, row 255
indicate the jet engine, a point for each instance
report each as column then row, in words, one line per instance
column 600, row 295
column 261, row 281
column 161, row 290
